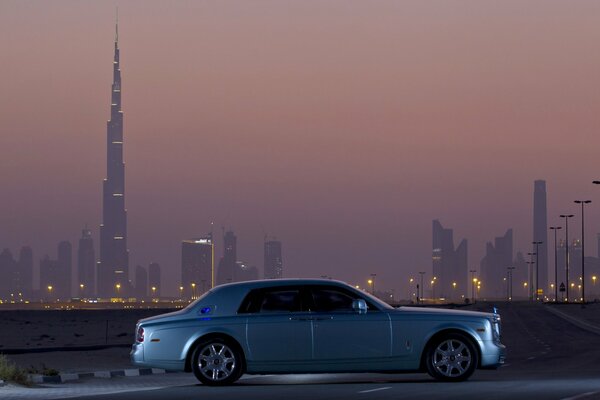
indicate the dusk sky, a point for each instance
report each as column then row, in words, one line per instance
column 341, row 127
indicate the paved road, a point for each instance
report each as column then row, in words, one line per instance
column 549, row 358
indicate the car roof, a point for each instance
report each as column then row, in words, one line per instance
column 265, row 283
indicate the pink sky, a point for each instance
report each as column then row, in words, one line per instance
column 341, row 127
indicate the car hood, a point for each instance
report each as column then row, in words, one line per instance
column 425, row 311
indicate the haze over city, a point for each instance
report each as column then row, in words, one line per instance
column 342, row 131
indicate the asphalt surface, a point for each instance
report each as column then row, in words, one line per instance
column 548, row 358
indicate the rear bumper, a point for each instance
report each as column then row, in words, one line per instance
column 493, row 355
column 136, row 355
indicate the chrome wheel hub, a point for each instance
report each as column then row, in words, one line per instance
column 216, row 361
column 452, row 358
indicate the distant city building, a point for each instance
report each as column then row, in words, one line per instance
column 273, row 261
column 113, row 267
column 65, row 268
column 49, row 278
column 227, row 265
column 450, row 265
column 245, row 272
column 154, row 282
column 25, row 272
column 86, row 265
column 540, row 234
column 494, row 267
column 141, row 283
column 197, row 266
column 8, row 275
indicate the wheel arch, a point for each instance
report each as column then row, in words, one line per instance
column 443, row 332
column 230, row 339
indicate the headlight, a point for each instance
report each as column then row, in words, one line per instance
column 496, row 328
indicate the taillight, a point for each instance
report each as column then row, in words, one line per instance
column 140, row 335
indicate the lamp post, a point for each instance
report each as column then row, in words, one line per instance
column 372, row 282
column 81, row 287
column 193, row 291
column 510, row 270
column 153, row 293
column 472, row 271
column 531, row 264
column 118, row 288
column 421, row 296
column 583, row 203
column 555, row 229
column 180, row 292
column 566, row 217
column 537, row 268
column 50, row 292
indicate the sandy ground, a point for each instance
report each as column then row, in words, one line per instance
column 31, row 329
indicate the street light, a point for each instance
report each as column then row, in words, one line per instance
column 555, row 229
column 118, row 287
column 472, row 271
column 181, row 292
column 583, row 203
column 421, row 296
column 537, row 268
column 509, row 283
column 81, row 287
column 153, row 292
column 193, row 291
column 49, row 291
column 531, row 263
column 372, row 283
column 566, row 217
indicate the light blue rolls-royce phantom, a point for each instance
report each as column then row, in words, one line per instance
column 313, row 326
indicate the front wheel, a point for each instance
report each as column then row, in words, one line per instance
column 451, row 358
column 217, row 362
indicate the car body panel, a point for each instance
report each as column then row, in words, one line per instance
column 383, row 339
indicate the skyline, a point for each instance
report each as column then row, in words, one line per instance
column 372, row 204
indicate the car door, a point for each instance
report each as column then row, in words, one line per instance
column 342, row 334
column 278, row 327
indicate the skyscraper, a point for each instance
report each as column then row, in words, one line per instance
column 25, row 271
column 113, row 267
column 273, row 265
column 154, row 281
column 450, row 267
column 540, row 234
column 197, row 266
column 141, row 283
column 65, row 269
column 86, row 264
column 493, row 267
column 227, row 265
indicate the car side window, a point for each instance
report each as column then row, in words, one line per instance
column 272, row 300
column 334, row 299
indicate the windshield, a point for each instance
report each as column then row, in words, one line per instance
column 373, row 299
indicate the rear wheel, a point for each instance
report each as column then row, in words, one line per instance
column 451, row 358
column 217, row 362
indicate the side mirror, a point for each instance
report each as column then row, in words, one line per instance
column 359, row 306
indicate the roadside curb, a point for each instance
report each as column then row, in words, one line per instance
column 66, row 377
column 575, row 321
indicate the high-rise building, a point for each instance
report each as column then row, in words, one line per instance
column 8, row 275
column 141, row 283
column 450, row 269
column 65, row 268
column 494, row 266
column 540, row 234
column 113, row 267
column 197, row 266
column 49, row 276
column 227, row 265
column 154, row 279
column 86, row 265
column 245, row 272
column 273, row 262
column 25, row 272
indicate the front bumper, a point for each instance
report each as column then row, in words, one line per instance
column 493, row 355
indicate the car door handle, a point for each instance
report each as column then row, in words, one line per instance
column 311, row 318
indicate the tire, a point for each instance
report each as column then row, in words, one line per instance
column 217, row 362
column 451, row 358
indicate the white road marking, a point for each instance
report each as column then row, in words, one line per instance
column 530, row 358
column 580, row 396
column 505, row 365
column 375, row 390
